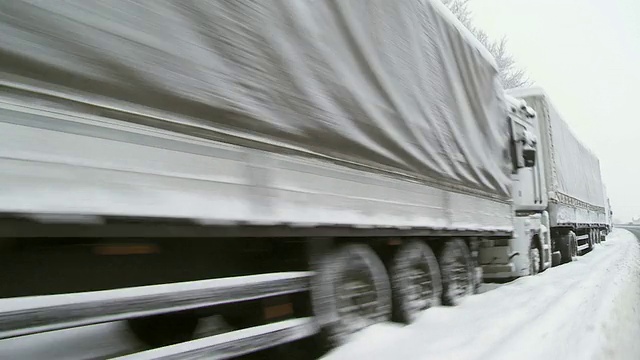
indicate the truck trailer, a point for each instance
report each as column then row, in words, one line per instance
column 562, row 196
column 296, row 167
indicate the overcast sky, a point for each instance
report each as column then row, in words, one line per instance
column 586, row 54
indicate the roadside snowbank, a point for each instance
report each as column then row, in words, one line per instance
column 589, row 309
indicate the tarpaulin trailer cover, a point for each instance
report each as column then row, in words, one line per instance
column 398, row 88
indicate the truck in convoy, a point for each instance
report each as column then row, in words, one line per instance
column 561, row 199
column 608, row 214
column 295, row 167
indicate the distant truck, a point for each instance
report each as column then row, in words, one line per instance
column 560, row 204
column 608, row 212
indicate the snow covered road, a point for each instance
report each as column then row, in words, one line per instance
column 589, row 309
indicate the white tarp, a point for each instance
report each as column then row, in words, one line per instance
column 396, row 85
column 576, row 170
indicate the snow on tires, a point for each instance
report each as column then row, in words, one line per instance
column 415, row 280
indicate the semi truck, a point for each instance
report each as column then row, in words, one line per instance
column 560, row 203
column 608, row 214
column 293, row 167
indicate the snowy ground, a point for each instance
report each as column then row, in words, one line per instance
column 589, row 309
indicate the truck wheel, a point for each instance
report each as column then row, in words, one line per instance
column 165, row 329
column 565, row 245
column 592, row 240
column 415, row 280
column 556, row 258
column 573, row 241
column 456, row 269
column 534, row 260
column 603, row 236
column 351, row 292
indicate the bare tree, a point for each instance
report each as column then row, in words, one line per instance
column 510, row 74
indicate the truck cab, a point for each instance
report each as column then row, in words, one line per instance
column 529, row 250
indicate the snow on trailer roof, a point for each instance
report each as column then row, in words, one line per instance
column 464, row 32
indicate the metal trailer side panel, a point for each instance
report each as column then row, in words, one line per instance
column 567, row 214
column 58, row 163
column 572, row 170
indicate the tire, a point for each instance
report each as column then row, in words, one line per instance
column 592, row 239
column 456, row 268
column 573, row 242
column 603, row 238
column 350, row 292
column 556, row 258
column 564, row 246
column 163, row 330
column 415, row 280
column 476, row 268
column 534, row 261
